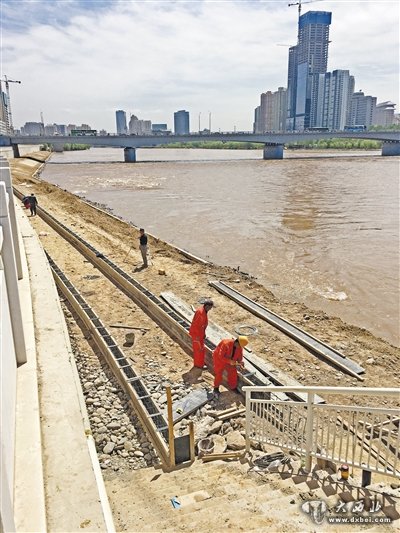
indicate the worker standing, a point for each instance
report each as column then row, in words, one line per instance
column 198, row 333
column 228, row 356
column 143, row 246
column 32, row 204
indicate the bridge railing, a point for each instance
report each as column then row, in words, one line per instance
column 363, row 434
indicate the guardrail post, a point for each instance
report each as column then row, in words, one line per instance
column 11, row 278
column 171, row 436
column 309, row 430
column 248, row 393
column 5, row 175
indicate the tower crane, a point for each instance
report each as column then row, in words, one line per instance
column 7, row 81
column 300, row 3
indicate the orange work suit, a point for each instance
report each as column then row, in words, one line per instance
column 198, row 333
column 223, row 356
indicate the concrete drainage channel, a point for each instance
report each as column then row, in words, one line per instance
column 148, row 412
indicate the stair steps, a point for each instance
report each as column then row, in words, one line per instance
column 239, row 501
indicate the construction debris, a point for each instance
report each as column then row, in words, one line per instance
column 221, row 456
column 232, row 414
column 267, row 460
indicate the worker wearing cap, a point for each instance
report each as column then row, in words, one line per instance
column 198, row 333
column 227, row 356
column 32, row 204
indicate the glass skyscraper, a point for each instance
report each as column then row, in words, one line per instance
column 181, row 122
column 307, row 60
column 121, row 122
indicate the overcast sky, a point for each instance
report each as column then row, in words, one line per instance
column 80, row 61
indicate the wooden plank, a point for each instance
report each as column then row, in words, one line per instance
column 232, row 414
column 171, row 436
column 390, row 421
column 370, row 448
column 221, row 456
column 254, row 363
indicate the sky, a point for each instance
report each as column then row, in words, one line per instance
column 80, row 60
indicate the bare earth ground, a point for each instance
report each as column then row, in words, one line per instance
column 189, row 280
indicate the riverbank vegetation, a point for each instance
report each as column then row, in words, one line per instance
column 336, row 144
column 215, row 145
column 68, row 147
column 322, row 144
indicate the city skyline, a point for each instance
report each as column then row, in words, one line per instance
column 84, row 61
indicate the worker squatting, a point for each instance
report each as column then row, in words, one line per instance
column 227, row 356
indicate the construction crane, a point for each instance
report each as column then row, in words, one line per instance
column 7, row 81
column 300, row 3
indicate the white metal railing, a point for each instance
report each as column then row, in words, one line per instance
column 364, row 436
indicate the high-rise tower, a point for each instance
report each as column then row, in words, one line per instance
column 181, row 122
column 121, row 122
column 307, row 60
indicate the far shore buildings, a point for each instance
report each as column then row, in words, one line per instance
column 4, row 114
column 270, row 115
column 120, row 117
column 384, row 114
column 181, row 122
column 316, row 98
column 139, row 127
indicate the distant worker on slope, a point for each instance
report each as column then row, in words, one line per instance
column 32, row 204
column 198, row 333
column 227, row 356
column 25, row 201
column 143, row 246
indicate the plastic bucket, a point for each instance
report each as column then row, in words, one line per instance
column 130, row 338
column 205, row 446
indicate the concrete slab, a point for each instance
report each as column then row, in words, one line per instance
column 29, row 483
column 74, row 490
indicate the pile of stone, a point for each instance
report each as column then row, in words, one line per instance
column 225, row 434
column 121, row 442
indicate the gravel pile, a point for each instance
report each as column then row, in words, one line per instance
column 121, row 442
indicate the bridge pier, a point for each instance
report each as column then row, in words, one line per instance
column 273, row 151
column 58, row 147
column 15, row 149
column 130, row 155
column 390, row 148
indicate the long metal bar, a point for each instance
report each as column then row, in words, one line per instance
column 301, row 336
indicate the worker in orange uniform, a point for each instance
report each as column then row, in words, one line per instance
column 198, row 333
column 228, row 356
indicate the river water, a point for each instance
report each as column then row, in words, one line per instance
column 320, row 228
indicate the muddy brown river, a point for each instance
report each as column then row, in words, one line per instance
column 321, row 228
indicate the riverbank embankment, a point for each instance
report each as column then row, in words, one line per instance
column 118, row 239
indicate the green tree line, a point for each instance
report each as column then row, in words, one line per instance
column 323, row 144
column 68, row 147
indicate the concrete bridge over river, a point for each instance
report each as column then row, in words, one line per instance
column 273, row 142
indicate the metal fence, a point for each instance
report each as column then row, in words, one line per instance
column 365, row 436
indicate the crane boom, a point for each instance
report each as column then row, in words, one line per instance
column 300, row 3
column 7, row 81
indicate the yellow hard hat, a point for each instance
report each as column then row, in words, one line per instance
column 243, row 341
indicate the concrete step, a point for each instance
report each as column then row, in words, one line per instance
column 179, row 487
column 228, row 516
